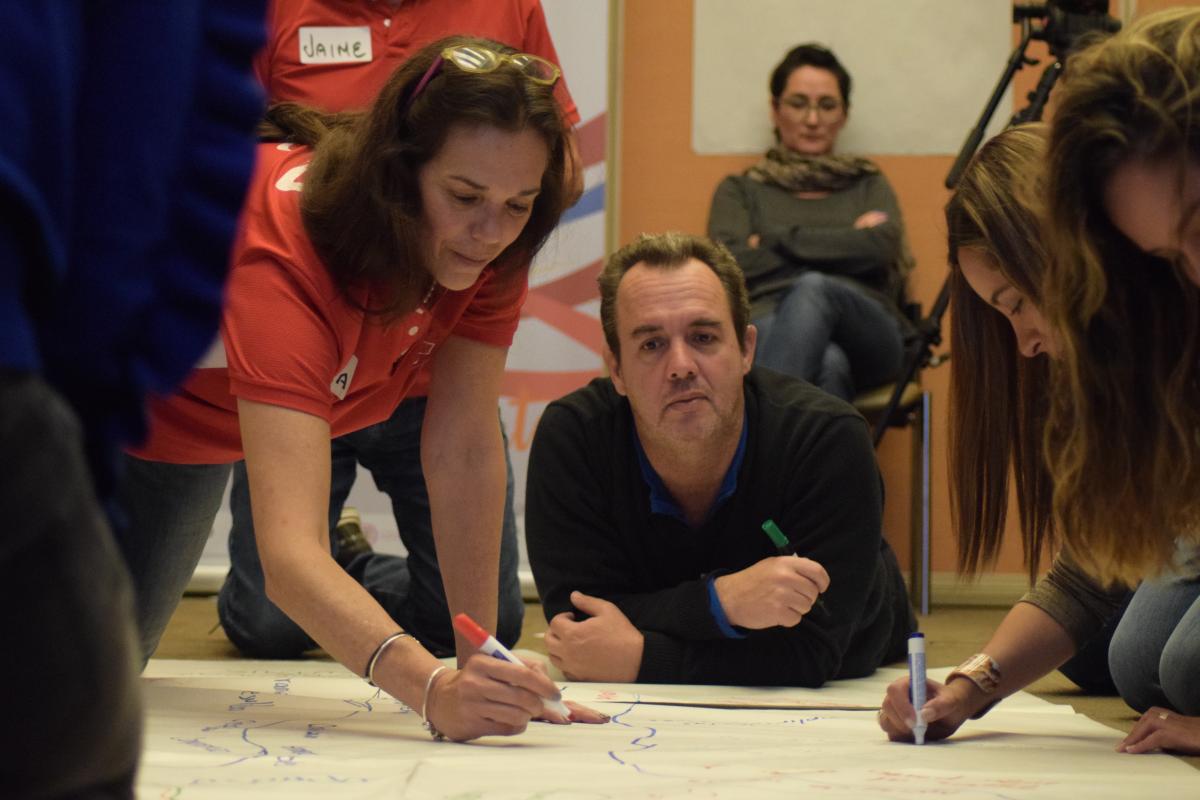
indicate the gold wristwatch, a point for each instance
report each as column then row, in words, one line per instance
column 983, row 671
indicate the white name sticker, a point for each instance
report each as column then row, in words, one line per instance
column 341, row 382
column 343, row 45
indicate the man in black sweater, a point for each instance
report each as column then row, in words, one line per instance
column 648, row 492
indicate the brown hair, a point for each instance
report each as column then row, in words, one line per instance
column 669, row 250
column 997, row 397
column 1125, row 416
column 809, row 55
column 362, row 204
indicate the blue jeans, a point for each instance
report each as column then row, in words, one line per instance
column 829, row 333
column 1155, row 652
column 169, row 511
column 409, row 588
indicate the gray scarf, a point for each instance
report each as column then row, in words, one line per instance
column 797, row 172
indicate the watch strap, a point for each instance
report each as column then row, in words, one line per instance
column 981, row 669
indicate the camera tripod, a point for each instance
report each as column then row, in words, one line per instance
column 1062, row 24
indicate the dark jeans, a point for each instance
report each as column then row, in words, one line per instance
column 829, row 333
column 72, row 704
column 169, row 511
column 1088, row 668
column 409, row 588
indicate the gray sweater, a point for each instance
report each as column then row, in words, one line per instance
column 1075, row 600
column 799, row 235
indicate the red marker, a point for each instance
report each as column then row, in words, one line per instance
column 487, row 644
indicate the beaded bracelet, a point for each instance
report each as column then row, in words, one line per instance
column 370, row 675
column 434, row 732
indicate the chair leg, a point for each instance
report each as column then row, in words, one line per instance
column 919, row 519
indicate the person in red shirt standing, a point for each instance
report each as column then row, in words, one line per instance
column 335, row 55
column 371, row 246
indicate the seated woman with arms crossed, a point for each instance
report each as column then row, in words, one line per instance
column 372, row 246
column 819, row 238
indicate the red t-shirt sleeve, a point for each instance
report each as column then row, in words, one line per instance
column 278, row 340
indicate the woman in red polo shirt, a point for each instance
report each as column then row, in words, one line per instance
column 371, row 245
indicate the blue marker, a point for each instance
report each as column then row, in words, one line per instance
column 916, row 681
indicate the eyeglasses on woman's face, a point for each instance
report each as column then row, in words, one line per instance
column 809, row 113
column 802, row 104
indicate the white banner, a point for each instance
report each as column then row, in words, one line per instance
column 921, row 70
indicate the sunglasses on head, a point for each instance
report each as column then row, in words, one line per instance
column 478, row 59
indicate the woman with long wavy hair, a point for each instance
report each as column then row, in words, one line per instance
column 1123, row 290
column 1122, row 438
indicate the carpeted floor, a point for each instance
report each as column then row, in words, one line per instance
column 952, row 634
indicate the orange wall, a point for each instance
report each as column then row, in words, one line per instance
column 662, row 184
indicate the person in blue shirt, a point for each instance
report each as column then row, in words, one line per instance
column 126, row 149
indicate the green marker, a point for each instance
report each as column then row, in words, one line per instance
column 785, row 549
column 781, row 542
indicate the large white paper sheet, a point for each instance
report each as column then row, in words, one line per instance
column 311, row 729
column 856, row 695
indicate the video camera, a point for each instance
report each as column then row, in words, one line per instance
column 1065, row 22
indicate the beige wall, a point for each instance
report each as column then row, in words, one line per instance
column 662, row 184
